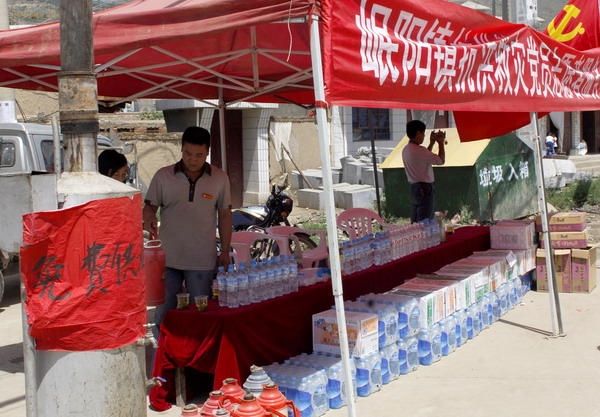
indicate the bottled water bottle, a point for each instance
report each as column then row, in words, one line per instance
column 412, row 358
column 461, row 328
column 243, row 285
column 487, row 313
column 293, row 273
column 513, row 293
column 377, row 250
column 232, row 287
column 368, row 374
column 502, row 294
column 285, row 274
column 402, row 357
column 270, row 284
column 254, row 283
column 473, row 323
column 385, row 366
column 222, row 285
column 496, row 309
column 448, row 335
column 263, row 281
column 430, row 345
column 390, row 354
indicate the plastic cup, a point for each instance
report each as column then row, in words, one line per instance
column 183, row 300
column 201, row 302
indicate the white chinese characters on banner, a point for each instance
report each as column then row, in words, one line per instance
column 446, row 56
column 495, row 175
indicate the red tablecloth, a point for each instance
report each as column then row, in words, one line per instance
column 226, row 342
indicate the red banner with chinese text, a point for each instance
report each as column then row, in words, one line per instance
column 82, row 269
column 436, row 55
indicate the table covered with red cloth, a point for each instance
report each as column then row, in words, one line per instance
column 226, row 342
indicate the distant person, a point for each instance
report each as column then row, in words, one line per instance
column 550, row 144
column 418, row 162
column 113, row 164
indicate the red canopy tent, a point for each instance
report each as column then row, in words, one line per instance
column 429, row 54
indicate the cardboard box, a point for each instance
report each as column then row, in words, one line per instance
column 431, row 305
column 362, row 333
column 512, row 234
column 567, row 240
column 448, row 287
column 563, row 222
column 480, row 278
column 583, row 269
column 512, row 263
column 462, row 292
column 497, row 269
column 562, row 265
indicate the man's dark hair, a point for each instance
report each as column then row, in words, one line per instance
column 413, row 127
column 110, row 161
column 196, row 136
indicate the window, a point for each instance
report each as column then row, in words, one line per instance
column 370, row 123
column 7, row 154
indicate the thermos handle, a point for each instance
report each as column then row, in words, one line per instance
column 153, row 244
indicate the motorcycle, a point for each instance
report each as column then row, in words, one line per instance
column 258, row 218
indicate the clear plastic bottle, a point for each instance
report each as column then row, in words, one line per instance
column 285, row 274
column 221, row 282
column 461, row 328
column 502, row 294
column 243, row 285
column 270, row 284
column 496, row 309
column 232, row 287
column 448, row 335
column 254, row 283
column 413, row 353
column 293, row 273
column 262, row 281
column 426, row 356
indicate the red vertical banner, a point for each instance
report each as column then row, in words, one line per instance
column 82, row 269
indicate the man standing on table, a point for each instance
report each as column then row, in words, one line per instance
column 192, row 195
column 418, row 162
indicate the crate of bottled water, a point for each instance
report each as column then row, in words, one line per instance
column 387, row 326
column 306, row 386
column 408, row 354
column 406, row 306
column 332, row 365
column 368, row 374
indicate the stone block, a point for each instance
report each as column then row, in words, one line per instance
column 367, row 177
column 340, row 192
column 311, row 199
column 352, row 172
column 314, row 177
column 297, row 182
column 365, row 198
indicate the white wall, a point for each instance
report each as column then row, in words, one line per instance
column 255, row 138
column 397, row 130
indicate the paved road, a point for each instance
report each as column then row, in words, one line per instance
column 511, row 369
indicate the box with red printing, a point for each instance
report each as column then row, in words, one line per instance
column 563, row 222
column 583, row 269
column 562, row 266
column 567, row 240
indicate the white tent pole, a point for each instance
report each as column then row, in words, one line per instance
column 332, row 236
column 222, row 129
column 557, row 327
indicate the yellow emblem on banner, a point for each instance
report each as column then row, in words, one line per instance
column 557, row 33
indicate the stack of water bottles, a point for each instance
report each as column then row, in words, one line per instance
column 306, row 386
column 263, row 280
column 390, row 245
column 401, row 357
column 444, row 337
column 378, row 367
column 332, row 365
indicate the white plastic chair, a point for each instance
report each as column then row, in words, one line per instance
column 310, row 257
column 358, row 222
column 243, row 243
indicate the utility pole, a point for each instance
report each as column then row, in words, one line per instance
column 7, row 95
column 77, row 88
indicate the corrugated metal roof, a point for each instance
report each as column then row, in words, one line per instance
column 458, row 154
